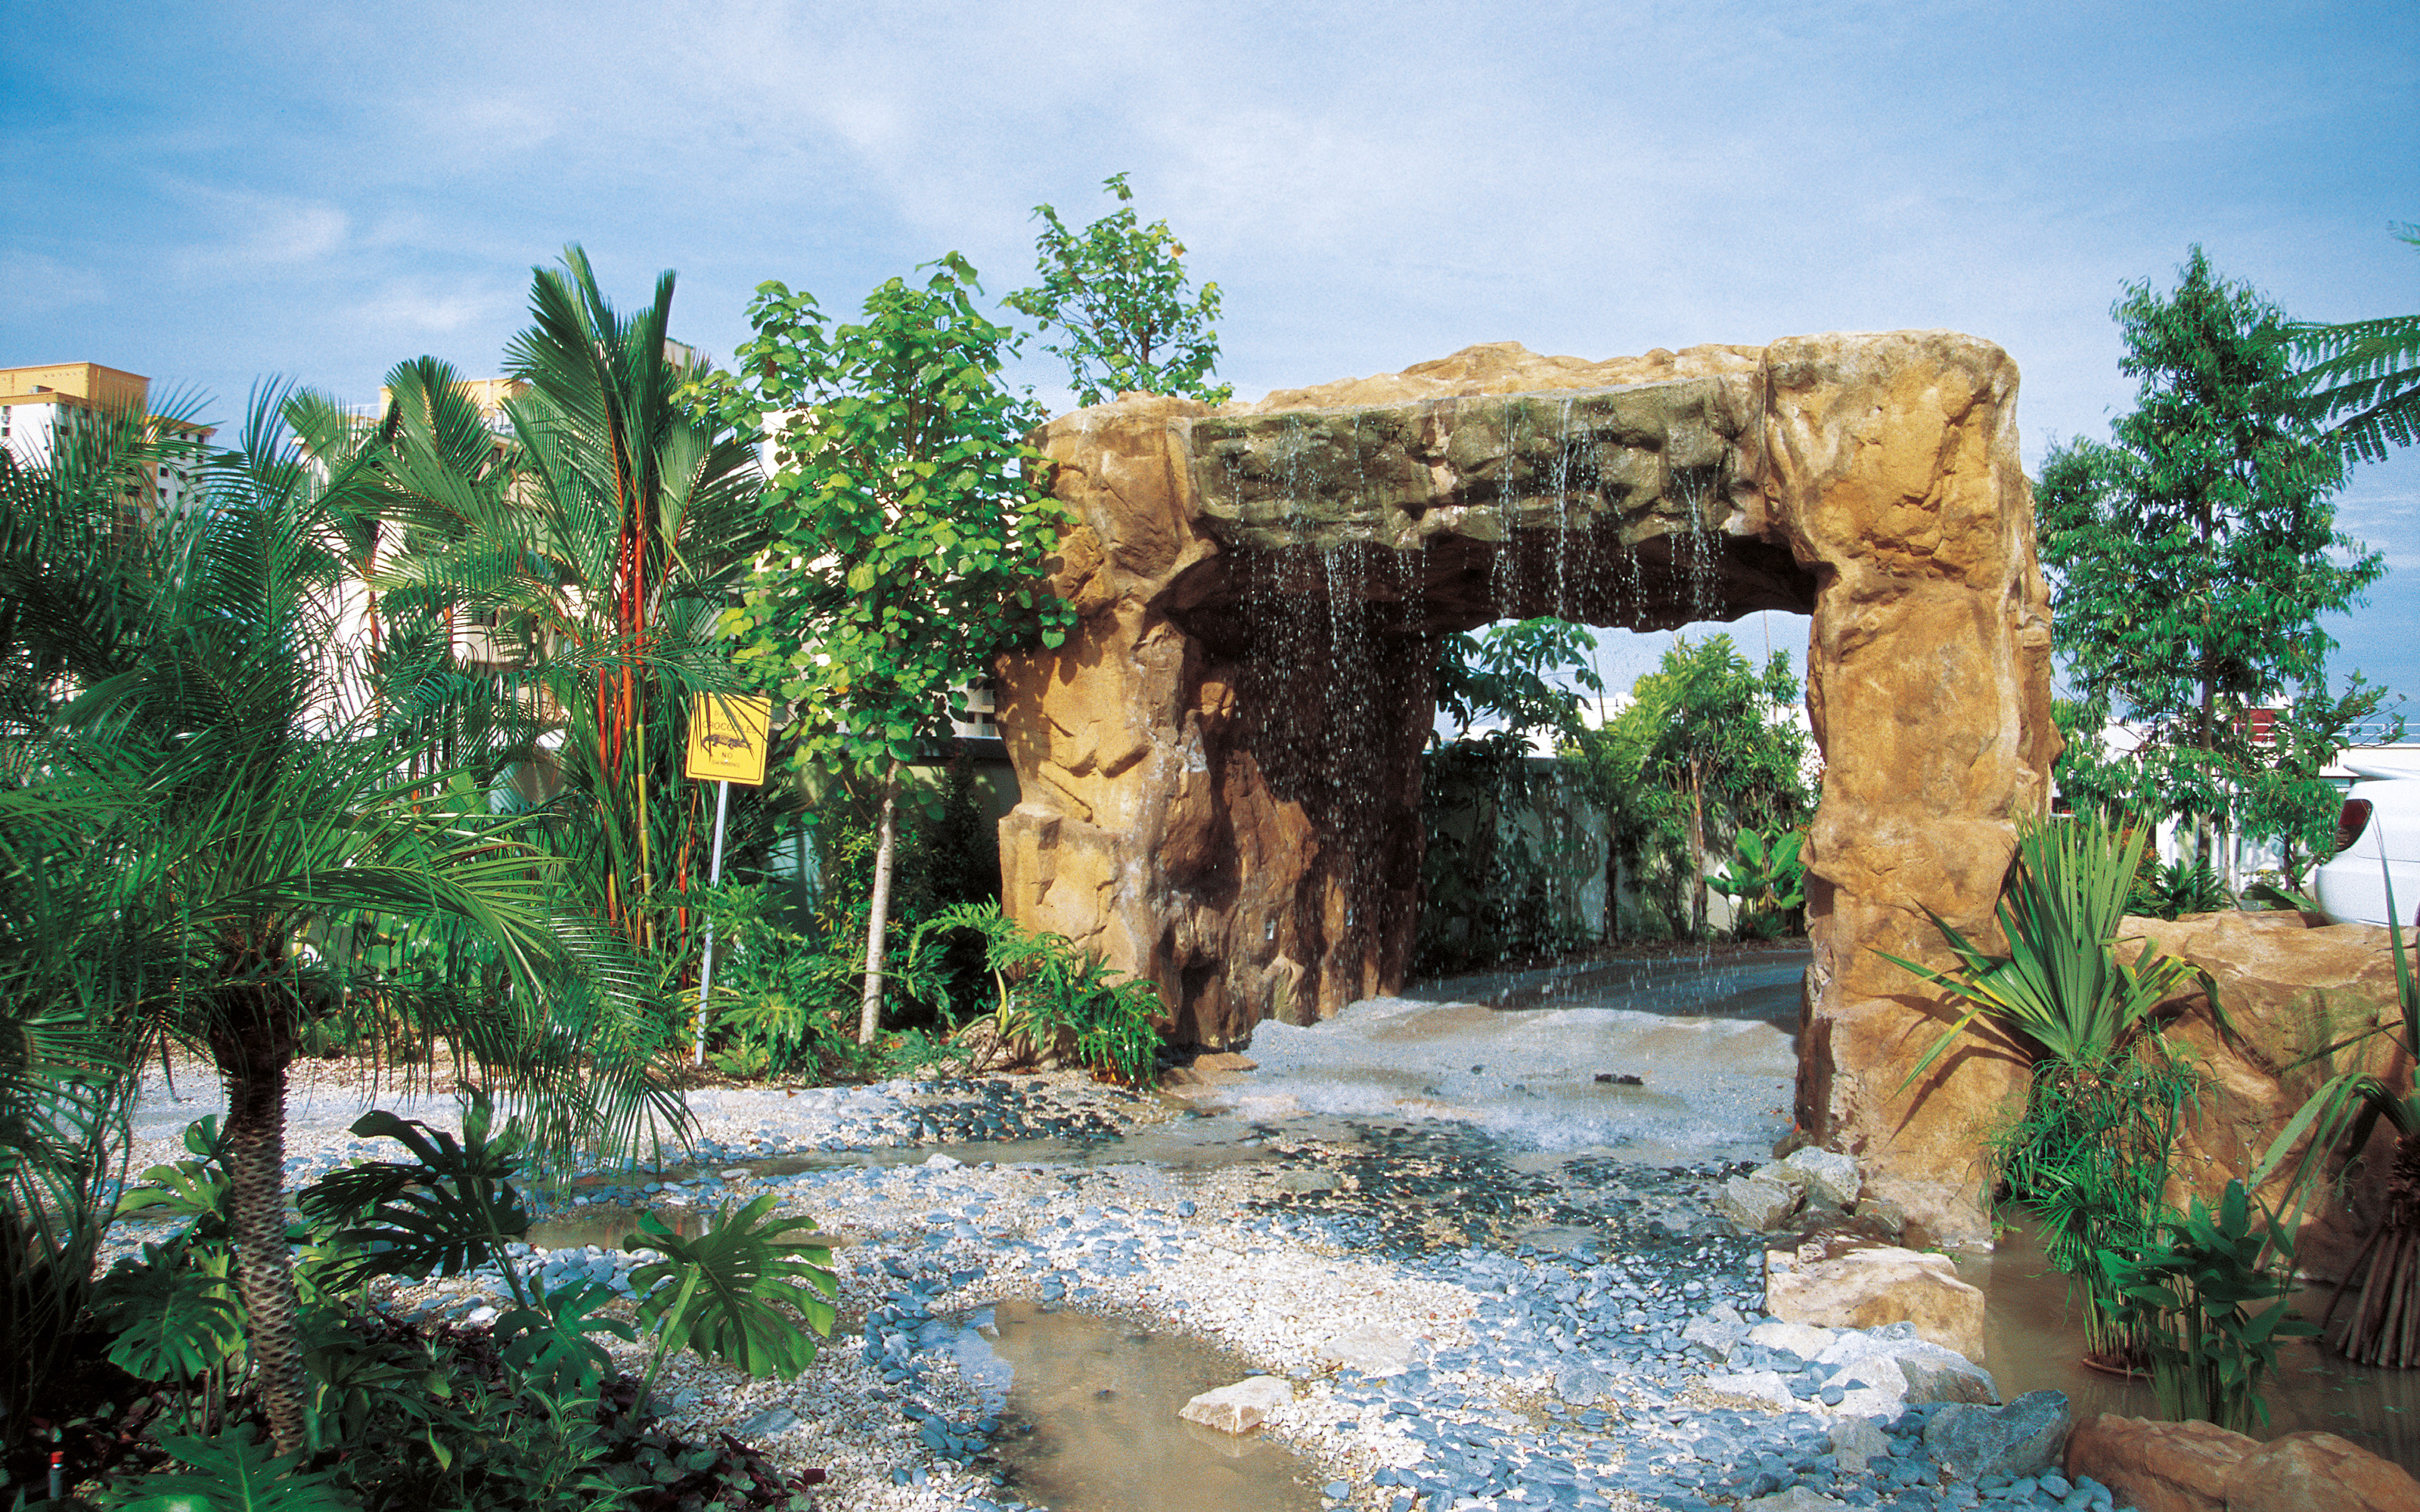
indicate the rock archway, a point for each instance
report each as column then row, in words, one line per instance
column 1221, row 769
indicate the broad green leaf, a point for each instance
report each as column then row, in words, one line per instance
column 748, row 1290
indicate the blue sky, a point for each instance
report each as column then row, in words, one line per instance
column 208, row 194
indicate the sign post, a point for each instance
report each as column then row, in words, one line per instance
column 726, row 745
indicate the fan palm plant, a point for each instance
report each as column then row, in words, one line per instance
column 2061, row 984
column 223, row 761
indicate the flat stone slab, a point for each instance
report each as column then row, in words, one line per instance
column 1374, row 1350
column 1239, row 1408
column 1868, row 1286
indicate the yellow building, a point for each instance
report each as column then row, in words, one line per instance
column 88, row 385
column 35, row 401
column 488, row 393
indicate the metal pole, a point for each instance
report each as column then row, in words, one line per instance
column 714, row 879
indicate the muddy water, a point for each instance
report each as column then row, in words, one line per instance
column 2032, row 1340
column 607, row 1228
column 1088, row 1417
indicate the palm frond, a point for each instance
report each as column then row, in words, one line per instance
column 2362, row 378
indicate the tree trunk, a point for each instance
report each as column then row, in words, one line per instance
column 1696, row 852
column 256, row 1159
column 877, row 914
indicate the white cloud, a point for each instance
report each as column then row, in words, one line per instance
column 262, row 231
column 417, row 307
column 37, row 284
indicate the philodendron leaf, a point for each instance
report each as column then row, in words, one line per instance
column 746, row 1290
column 551, row 1344
column 175, row 1315
column 448, row 1211
column 232, row 1473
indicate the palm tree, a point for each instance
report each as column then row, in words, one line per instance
column 604, row 553
column 65, row 1086
column 222, row 754
column 2363, row 381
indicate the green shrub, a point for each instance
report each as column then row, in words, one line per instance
column 786, row 999
column 2192, row 1294
column 2175, row 889
column 530, row 1415
column 1498, row 870
column 2090, row 1157
column 2092, row 1148
column 1046, row 991
column 1765, row 880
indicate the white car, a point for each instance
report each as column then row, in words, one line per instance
column 2380, row 819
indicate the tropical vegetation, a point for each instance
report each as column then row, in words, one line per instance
column 534, row 1412
column 373, row 746
column 2193, row 557
column 2194, row 1301
column 907, row 525
column 2090, row 1152
column 1505, row 830
column 2362, row 380
column 1706, row 752
column 2335, row 1126
column 1119, row 298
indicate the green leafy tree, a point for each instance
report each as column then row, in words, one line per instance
column 1713, row 732
column 1118, row 292
column 1520, row 676
column 908, row 524
column 2192, row 557
column 2364, row 378
column 1500, row 840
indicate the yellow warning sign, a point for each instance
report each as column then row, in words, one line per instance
column 726, row 739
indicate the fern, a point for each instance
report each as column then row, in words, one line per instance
column 2364, row 380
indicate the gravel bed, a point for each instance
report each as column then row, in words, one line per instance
column 1566, row 1331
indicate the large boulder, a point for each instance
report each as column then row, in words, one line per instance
column 1830, row 1285
column 2154, row 1465
column 2288, row 986
column 1828, row 1175
column 1219, row 770
column 2319, row 1473
column 2025, row 1438
column 2201, row 1467
column 1928, row 1371
column 1757, row 1206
